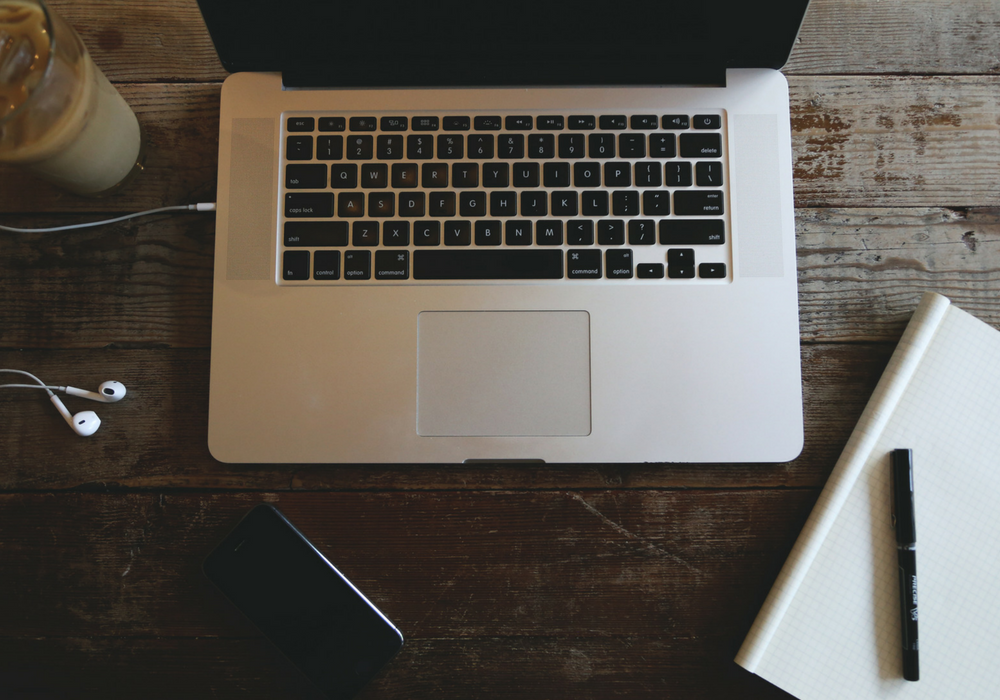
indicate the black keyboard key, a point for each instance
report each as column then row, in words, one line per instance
column 315, row 234
column 526, row 175
column 518, row 232
column 488, row 233
column 457, row 123
column 394, row 123
column 707, row 121
column 465, row 175
column 678, row 174
column 580, row 232
column 625, row 203
column 503, row 203
column 643, row 121
column 301, row 124
column 496, row 175
column 363, row 123
column 392, row 264
column 680, row 263
column 510, row 146
column 613, row 121
column 610, row 232
column 618, row 263
column 698, row 203
column 472, row 204
column 330, row 148
column 602, row 145
column 594, row 203
column 583, row 264
column 656, row 203
column 390, row 146
column 313, row 205
column 649, row 271
column 365, row 234
column 571, row 146
column 541, row 146
column 502, row 264
column 701, row 146
column 632, row 145
column 350, row 204
column 708, row 173
column 692, row 232
column 295, row 265
column 488, row 123
column 419, row 147
column 357, row 264
column 396, row 233
column 435, row 174
column 550, row 123
column 381, row 204
column 305, row 176
column 374, row 175
column 326, row 265
column 457, row 233
column 549, row 232
column 411, row 204
column 332, row 123
column 404, row 175
column 534, row 203
column 426, row 124
column 517, row 123
column 360, row 147
column 299, row 148
column 586, row 174
column 662, row 146
column 564, row 203
column 712, row 270
column 641, row 232
column 555, row 174
column 481, row 146
column 344, row 177
column 674, row 121
column 427, row 233
column 582, row 123
column 442, row 204
column 450, row 146
column 617, row 174
column 648, row 175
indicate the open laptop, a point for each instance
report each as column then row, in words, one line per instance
column 545, row 231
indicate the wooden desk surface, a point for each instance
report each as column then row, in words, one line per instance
column 508, row 581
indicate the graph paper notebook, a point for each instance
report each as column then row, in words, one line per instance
column 830, row 627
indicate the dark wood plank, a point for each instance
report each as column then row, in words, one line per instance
column 157, row 436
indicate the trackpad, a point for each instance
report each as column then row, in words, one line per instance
column 503, row 373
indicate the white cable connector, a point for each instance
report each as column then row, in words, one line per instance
column 201, row 206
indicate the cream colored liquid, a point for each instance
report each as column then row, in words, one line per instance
column 72, row 127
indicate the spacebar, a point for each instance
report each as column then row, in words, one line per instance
column 487, row 264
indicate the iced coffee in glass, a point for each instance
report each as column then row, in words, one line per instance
column 60, row 118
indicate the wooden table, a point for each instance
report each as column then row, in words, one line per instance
column 540, row 581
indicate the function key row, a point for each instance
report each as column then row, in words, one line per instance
column 490, row 265
column 579, row 122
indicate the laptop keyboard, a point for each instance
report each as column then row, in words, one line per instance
column 430, row 198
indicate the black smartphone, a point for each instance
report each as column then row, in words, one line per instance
column 299, row 600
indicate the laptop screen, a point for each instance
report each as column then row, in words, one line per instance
column 515, row 42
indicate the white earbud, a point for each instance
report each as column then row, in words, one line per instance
column 107, row 392
column 83, row 423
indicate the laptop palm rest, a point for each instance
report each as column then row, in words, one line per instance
column 503, row 373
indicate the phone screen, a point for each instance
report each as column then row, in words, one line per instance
column 307, row 608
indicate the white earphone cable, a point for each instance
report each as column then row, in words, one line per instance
column 201, row 206
column 41, row 384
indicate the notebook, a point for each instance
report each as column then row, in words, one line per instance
column 553, row 233
column 830, row 627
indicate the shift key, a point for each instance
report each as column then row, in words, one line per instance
column 698, row 203
column 309, row 204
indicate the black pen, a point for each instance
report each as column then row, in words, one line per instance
column 901, row 470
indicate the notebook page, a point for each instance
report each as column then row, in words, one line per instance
column 914, row 342
column 840, row 635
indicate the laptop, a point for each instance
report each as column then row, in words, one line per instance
column 552, row 232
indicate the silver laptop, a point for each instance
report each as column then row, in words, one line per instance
column 561, row 233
